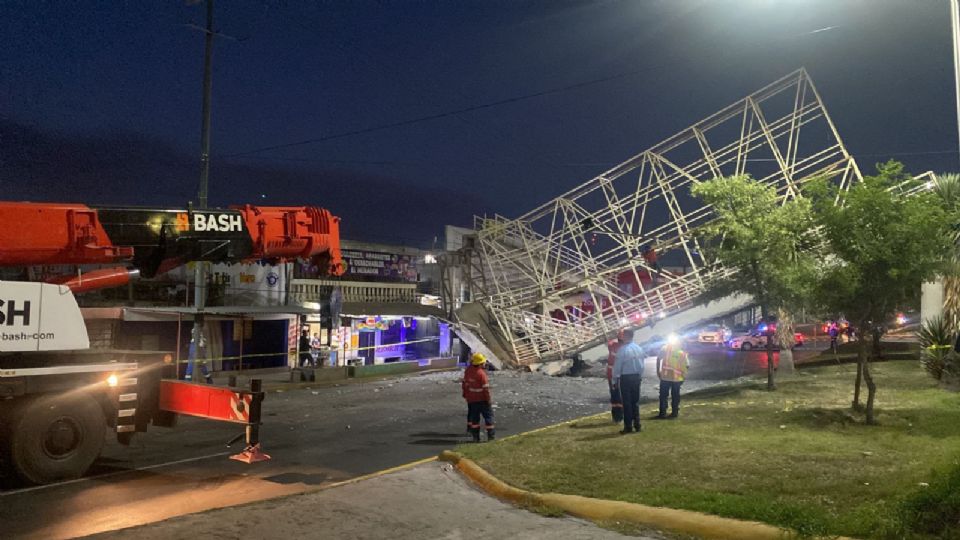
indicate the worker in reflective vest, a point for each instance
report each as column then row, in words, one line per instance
column 672, row 366
column 476, row 390
column 616, row 404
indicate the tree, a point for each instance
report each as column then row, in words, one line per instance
column 882, row 245
column 946, row 188
column 764, row 239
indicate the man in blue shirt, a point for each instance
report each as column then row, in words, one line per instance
column 627, row 372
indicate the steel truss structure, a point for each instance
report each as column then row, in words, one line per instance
column 568, row 274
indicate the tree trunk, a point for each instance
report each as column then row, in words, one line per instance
column 951, row 299
column 861, row 360
column 875, row 333
column 785, row 339
column 786, row 366
column 765, row 317
column 771, row 384
column 871, row 392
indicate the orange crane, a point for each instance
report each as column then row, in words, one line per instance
column 57, row 397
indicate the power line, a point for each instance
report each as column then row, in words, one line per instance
column 446, row 114
column 458, row 112
column 514, row 163
column 415, row 163
column 438, row 116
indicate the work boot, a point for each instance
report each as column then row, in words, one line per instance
column 673, row 415
column 661, row 416
column 475, row 432
column 491, row 435
column 636, row 427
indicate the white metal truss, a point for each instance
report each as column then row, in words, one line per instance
column 585, row 247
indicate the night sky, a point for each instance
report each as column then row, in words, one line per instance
column 100, row 101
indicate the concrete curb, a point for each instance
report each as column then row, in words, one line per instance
column 369, row 476
column 670, row 519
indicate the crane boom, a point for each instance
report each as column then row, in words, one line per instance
column 49, row 378
column 152, row 240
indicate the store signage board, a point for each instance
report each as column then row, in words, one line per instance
column 379, row 265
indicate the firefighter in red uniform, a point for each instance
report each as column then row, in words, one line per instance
column 476, row 390
column 616, row 404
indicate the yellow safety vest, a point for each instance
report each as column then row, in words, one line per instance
column 674, row 365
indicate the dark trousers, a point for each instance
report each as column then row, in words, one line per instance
column 475, row 410
column 306, row 359
column 672, row 389
column 616, row 406
column 630, row 396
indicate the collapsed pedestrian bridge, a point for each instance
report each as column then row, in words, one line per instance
column 619, row 250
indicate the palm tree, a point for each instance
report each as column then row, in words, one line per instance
column 947, row 188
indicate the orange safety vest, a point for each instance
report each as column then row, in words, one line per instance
column 673, row 367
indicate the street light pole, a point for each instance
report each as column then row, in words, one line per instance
column 199, row 275
column 205, row 126
column 955, row 31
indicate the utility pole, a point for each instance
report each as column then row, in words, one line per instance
column 205, row 126
column 200, row 289
column 955, row 31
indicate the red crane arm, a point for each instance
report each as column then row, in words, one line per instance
column 151, row 240
column 33, row 234
column 294, row 232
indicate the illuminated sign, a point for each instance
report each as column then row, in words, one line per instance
column 213, row 222
column 217, row 222
column 380, row 265
column 372, row 323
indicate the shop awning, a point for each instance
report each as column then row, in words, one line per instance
column 395, row 309
column 173, row 313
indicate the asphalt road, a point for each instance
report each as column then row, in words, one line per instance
column 316, row 437
column 717, row 363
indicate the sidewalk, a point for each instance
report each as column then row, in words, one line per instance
column 430, row 500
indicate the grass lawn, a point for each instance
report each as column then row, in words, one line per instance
column 797, row 457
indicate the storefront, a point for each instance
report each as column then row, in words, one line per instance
column 237, row 338
column 381, row 339
column 381, row 310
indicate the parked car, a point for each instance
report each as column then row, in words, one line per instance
column 715, row 334
column 758, row 340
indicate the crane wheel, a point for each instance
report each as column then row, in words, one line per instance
column 7, row 476
column 57, row 437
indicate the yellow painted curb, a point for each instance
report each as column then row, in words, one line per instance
column 371, row 475
column 551, row 426
column 491, row 484
column 681, row 521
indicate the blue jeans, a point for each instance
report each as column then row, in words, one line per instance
column 671, row 388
